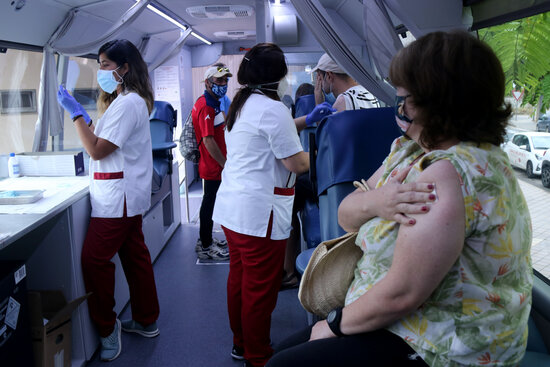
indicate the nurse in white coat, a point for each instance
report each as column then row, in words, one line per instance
column 120, row 192
column 254, row 201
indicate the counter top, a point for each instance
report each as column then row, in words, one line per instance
column 59, row 194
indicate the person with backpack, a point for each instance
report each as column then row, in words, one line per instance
column 209, row 123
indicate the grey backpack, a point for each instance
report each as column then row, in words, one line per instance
column 189, row 148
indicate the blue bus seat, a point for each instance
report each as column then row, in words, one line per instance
column 311, row 232
column 311, row 225
column 162, row 121
column 351, row 145
column 309, row 215
column 304, row 105
column 303, row 259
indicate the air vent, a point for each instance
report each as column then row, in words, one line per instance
column 220, row 11
column 235, row 34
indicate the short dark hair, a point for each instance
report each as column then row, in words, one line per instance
column 457, row 85
column 303, row 90
column 263, row 64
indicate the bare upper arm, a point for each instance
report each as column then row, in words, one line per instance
column 425, row 252
column 340, row 103
column 297, row 163
column 102, row 149
column 375, row 177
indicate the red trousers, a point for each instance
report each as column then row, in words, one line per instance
column 106, row 237
column 255, row 274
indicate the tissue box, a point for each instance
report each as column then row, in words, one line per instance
column 51, row 163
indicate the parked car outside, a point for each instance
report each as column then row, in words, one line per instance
column 526, row 149
column 543, row 124
column 545, row 169
column 508, row 136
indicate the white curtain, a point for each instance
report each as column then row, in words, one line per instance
column 49, row 114
column 327, row 33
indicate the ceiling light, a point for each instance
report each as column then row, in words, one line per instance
column 165, row 16
column 157, row 11
column 201, row 38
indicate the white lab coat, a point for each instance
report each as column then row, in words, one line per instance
column 254, row 180
column 126, row 172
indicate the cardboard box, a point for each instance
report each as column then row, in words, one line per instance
column 50, row 317
column 15, row 339
column 51, row 163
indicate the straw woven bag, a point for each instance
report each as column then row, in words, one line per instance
column 329, row 274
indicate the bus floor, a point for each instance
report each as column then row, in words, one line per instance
column 193, row 321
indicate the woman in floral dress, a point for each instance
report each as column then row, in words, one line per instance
column 454, row 289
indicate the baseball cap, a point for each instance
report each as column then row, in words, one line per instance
column 217, row 72
column 326, row 63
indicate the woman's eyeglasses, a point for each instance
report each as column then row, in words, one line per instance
column 222, row 68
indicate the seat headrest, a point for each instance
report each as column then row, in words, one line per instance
column 163, row 111
column 304, row 105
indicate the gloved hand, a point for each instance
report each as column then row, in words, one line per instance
column 319, row 112
column 71, row 105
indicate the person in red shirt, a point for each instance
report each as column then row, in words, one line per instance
column 209, row 122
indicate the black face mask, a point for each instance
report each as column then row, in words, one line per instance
column 402, row 120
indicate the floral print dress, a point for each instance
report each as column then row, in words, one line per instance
column 478, row 314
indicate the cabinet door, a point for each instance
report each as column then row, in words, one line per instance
column 153, row 230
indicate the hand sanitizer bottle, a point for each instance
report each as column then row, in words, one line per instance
column 13, row 166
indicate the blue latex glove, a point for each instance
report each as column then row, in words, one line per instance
column 224, row 104
column 70, row 104
column 319, row 112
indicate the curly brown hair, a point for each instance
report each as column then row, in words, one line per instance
column 457, row 85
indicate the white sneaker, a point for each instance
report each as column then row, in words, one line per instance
column 214, row 252
column 220, row 243
column 111, row 345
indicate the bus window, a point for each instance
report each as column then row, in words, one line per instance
column 19, row 86
column 516, row 46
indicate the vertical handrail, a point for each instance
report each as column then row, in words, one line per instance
column 186, row 190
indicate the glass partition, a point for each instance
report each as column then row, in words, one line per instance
column 19, row 85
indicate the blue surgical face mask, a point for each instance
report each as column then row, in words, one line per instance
column 106, row 80
column 219, row 90
column 329, row 97
column 402, row 120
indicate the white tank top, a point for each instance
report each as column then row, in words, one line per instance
column 358, row 98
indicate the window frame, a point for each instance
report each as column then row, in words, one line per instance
column 9, row 110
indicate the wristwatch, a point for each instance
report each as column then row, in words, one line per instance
column 334, row 318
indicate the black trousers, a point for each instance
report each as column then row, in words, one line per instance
column 379, row 348
column 207, row 209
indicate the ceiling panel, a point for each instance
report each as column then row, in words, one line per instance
column 207, row 27
column 46, row 15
